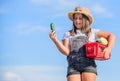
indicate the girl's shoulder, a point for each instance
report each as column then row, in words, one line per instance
column 94, row 30
column 66, row 35
column 93, row 34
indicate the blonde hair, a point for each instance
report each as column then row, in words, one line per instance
column 85, row 28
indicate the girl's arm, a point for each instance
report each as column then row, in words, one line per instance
column 111, row 40
column 109, row 36
column 62, row 47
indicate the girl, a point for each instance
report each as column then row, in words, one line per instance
column 81, row 68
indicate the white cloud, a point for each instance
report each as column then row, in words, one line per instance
column 42, row 2
column 10, row 76
column 60, row 6
column 99, row 9
column 41, row 73
column 55, row 4
column 28, row 29
column 34, row 73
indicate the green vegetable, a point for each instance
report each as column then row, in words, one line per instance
column 102, row 40
column 52, row 27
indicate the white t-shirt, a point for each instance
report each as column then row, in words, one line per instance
column 92, row 37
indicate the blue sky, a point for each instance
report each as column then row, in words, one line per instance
column 28, row 54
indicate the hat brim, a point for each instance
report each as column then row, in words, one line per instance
column 70, row 15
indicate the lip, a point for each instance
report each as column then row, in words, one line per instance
column 78, row 24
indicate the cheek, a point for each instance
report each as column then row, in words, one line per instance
column 81, row 21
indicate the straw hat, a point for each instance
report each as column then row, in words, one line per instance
column 81, row 10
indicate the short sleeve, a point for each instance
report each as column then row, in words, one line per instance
column 66, row 35
column 93, row 35
column 95, row 31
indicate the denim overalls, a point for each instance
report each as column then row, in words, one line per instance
column 77, row 60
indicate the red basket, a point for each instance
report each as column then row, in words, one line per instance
column 95, row 50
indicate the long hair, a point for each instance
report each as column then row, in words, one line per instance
column 85, row 27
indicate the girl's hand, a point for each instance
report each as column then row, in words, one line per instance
column 107, row 52
column 52, row 35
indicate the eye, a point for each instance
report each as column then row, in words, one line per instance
column 80, row 18
column 75, row 18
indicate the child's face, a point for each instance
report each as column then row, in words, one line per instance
column 77, row 20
